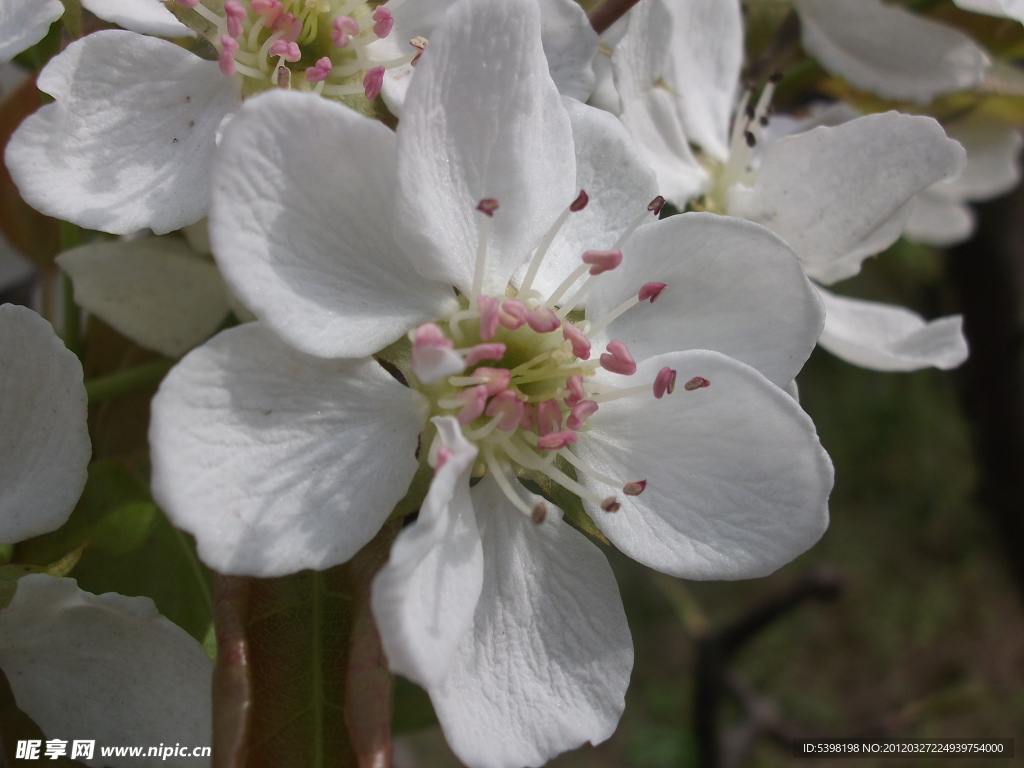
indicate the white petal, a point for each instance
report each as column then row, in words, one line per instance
column 888, row 50
column 432, row 364
column 44, row 442
column 105, row 668
column 888, row 338
column 148, row 17
column 277, row 461
column 568, row 39
column 482, row 120
column 839, row 194
column 938, row 221
column 23, row 23
column 570, row 45
column 156, row 291
column 732, row 286
column 142, row 160
column 993, row 158
column 548, row 661
column 619, row 185
column 705, row 58
column 425, row 596
column 1011, row 9
column 301, row 227
column 737, row 483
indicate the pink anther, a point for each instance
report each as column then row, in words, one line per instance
column 611, row 504
column 602, row 261
column 487, row 206
column 492, row 351
column 580, row 412
column 549, row 417
column 430, row 335
column 618, row 359
column 650, row 291
column 474, row 399
column 487, row 306
column 384, row 21
column 580, row 343
column 226, row 60
column 320, row 70
column 656, row 205
column 270, row 10
column 343, row 29
column 556, row 440
column 443, row 454
column 664, row 382
column 495, row 380
column 580, row 202
column 420, row 44
column 634, row 488
column 287, row 50
column 697, row 382
column 529, row 418
column 234, row 13
column 576, row 392
column 543, row 319
column 513, row 314
column 372, row 82
column 510, row 407
column 289, row 25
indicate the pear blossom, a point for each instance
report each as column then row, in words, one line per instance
column 837, row 194
column 44, row 442
column 104, row 668
column 1011, row 9
column 507, row 239
column 143, row 160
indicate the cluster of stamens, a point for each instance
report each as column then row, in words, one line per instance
column 517, row 372
column 311, row 45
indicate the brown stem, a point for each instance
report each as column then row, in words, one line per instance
column 608, row 12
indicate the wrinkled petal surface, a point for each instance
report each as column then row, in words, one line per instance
column 44, row 442
column 482, row 120
column 278, row 461
column 148, row 17
column 889, row 338
column 547, row 663
column 737, row 483
column 301, row 228
column 732, row 286
column 156, row 291
column 23, row 23
column 888, row 50
column 107, row 668
column 143, row 158
column 425, row 597
column 840, row 194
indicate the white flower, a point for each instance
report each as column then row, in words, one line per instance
column 104, row 668
column 836, row 194
column 279, row 456
column 143, row 160
column 44, row 442
column 1011, row 9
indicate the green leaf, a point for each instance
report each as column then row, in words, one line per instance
column 300, row 677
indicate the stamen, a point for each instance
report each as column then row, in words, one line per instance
column 580, row 413
column 543, row 320
column 513, row 314
column 503, row 482
column 289, row 51
column 580, row 202
column 495, row 380
column 557, row 440
column 319, row 71
column 650, row 291
column 549, row 237
column 284, row 78
column 618, row 359
column 664, row 382
column 539, row 513
column 493, row 351
column 602, row 261
column 531, row 460
column 611, row 504
column 420, row 44
column 580, row 343
column 343, row 28
column 487, row 207
column 509, row 407
column 226, row 60
column 488, row 307
column 384, row 21
column 235, row 14
column 549, row 417
column 654, row 207
column 576, row 391
column 697, row 382
column 473, row 400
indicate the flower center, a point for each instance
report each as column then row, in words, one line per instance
column 310, row 45
column 517, row 372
